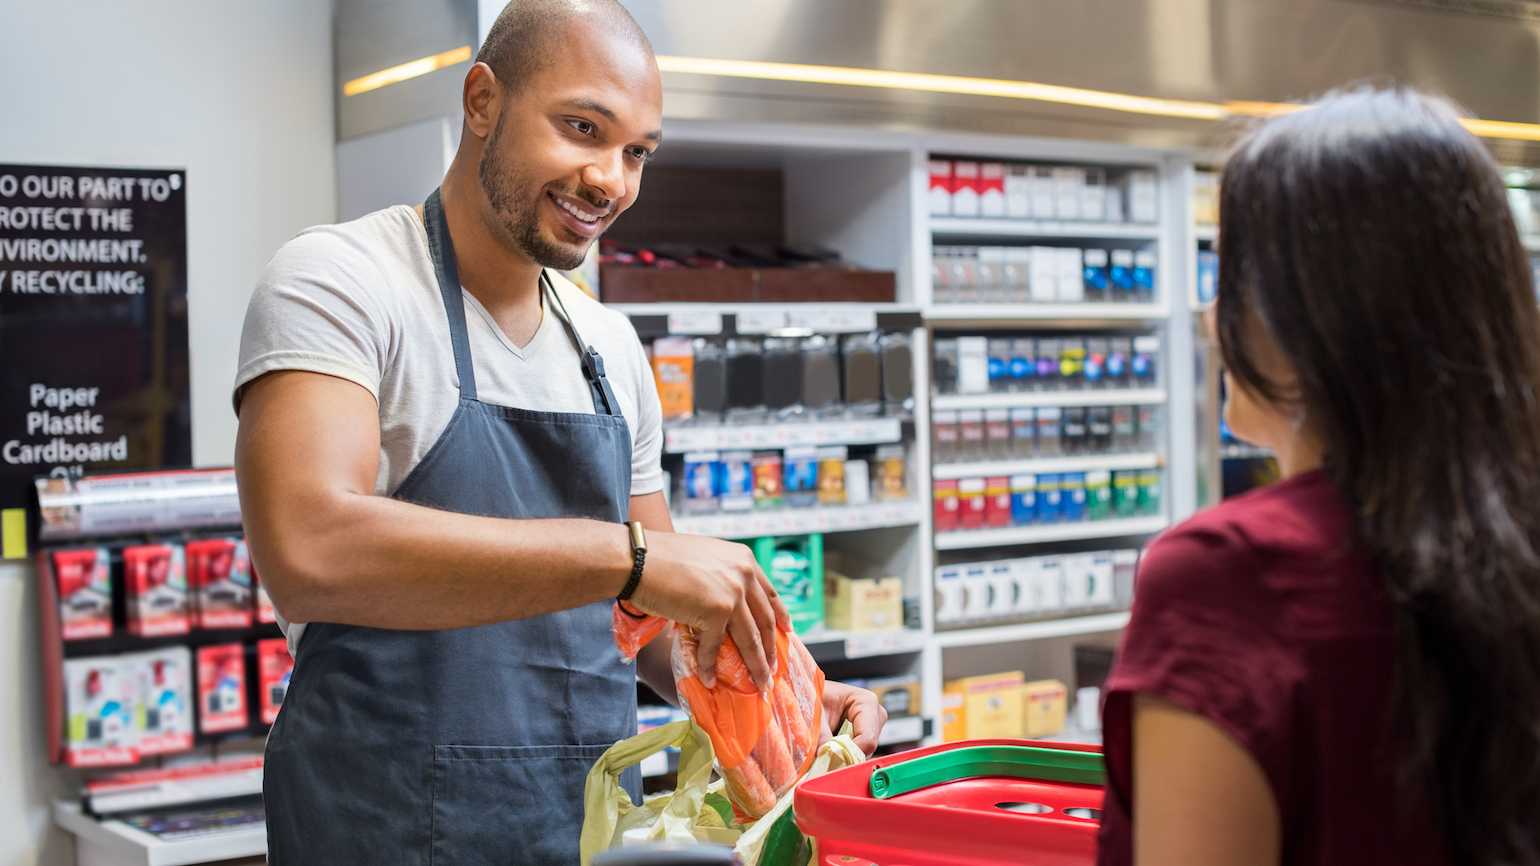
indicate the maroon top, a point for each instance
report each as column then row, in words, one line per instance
column 1259, row 616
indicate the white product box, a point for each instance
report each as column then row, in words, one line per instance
column 1103, row 589
column 858, row 482
column 1044, row 280
column 965, row 189
column 1071, row 275
column 1018, row 192
column 992, row 189
column 1018, row 263
column 1124, row 565
column 949, row 594
column 165, row 718
column 1002, row 589
column 1077, row 580
column 972, row 365
column 1068, row 189
column 940, row 187
column 1050, row 584
column 1044, row 206
column 1093, row 196
column 976, row 586
column 1140, row 199
column 1114, row 199
column 991, row 273
column 101, row 703
column 1024, row 572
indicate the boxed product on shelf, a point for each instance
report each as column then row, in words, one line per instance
column 947, row 505
column 1140, row 196
column 1125, row 492
column 1045, row 704
column 274, row 668
column 1069, row 188
column 1125, row 564
column 858, row 482
column 1044, row 193
column 1043, row 275
column 1002, row 590
column 1208, row 276
column 155, row 589
column 950, row 597
column 897, row 371
column 997, row 433
column 1093, row 196
column 900, row 696
column 83, row 578
column 219, row 575
column 1018, row 192
column 1098, row 494
column 1120, row 352
column 701, row 472
column 1144, row 276
column 965, row 188
column 1125, row 428
column 710, row 386
column 736, row 491
column 983, row 707
column 165, row 716
column 1073, row 432
column 1072, row 496
column 1095, row 362
column 673, row 368
column 1049, row 593
column 800, row 469
column 1144, row 365
column 1148, row 427
column 970, row 433
column 1121, row 275
column 861, row 368
column 101, row 701
column 991, row 185
column 998, row 361
column 892, row 481
column 1099, row 439
column 222, row 688
column 1050, row 427
column 1023, row 498
column 863, row 604
column 768, row 482
column 976, row 591
column 972, row 503
column 783, row 376
column 1071, row 276
column 972, row 365
column 1095, row 279
column 940, row 191
column 794, row 565
column 1050, row 498
column 831, row 474
column 997, row 501
column 1148, row 501
column 745, row 376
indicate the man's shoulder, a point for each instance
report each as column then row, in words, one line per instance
column 369, row 242
column 601, row 325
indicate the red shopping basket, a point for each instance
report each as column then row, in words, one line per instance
column 972, row 803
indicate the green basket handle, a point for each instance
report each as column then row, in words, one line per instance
column 971, row 762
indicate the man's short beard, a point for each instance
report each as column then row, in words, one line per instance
column 516, row 206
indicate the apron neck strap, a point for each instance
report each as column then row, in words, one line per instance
column 443, row 251
column 593, row 362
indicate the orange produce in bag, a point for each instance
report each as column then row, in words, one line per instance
column 633, row 632
column 763, row 742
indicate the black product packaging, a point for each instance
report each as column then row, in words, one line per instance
column 820, row 379
column 1149, row 426
column 1049, row 421
column 1099, row 429
column 1125, row 428
column 783, row 374
column 944, row 367
column 862, row 367
column 1074, row 433
column 745, row 375
column 710, row 378
column 897, row 372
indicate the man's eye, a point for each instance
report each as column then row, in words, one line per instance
column 582, row 126
column 641, row 154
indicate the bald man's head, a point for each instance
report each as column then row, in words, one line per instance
column 527, row 34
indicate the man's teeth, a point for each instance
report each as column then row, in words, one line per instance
column 581, row 214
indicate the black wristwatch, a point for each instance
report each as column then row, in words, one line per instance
column 638, row 561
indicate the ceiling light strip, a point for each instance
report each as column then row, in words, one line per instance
column 406, row 71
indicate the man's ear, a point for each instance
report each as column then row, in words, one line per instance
column 482, row 100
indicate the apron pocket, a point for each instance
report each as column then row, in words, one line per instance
column 509, row 804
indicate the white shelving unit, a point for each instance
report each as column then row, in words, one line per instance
column 1015, row 633
column 1020, row 399
column 796, row 521
column 859, row 431
column 1072, row 463
column 969, row 227
column 971, row 539
column 114, row 843
column 986, row 313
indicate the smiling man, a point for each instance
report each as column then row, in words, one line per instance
column 441, row 445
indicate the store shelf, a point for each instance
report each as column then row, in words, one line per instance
column 118, row 843
column 795, row 521
column 1068, row 627
column 904, row 729
column 1073, row 312
column 1025, row 399
column 686, row 319
column 1082, row 463
column 1016, row 228
column 974, row 538
column 1206, row 233
column 866, row 431
column 827, row 646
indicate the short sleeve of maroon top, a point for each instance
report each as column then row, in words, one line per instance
column 1261, row 617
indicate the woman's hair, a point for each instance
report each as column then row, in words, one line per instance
column 1369, row 236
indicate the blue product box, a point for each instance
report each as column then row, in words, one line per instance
column 1096, row 276
column 1208, row 276
column 1144, row 276
column 1023, row 500
column 800, row 474
column 1049, row 499
column 1122, row 275
column 1072, row 496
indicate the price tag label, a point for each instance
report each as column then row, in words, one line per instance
column 880, row 643
column 753, row 321
column 834, row 320
column 695, row 322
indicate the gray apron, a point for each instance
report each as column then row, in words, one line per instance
column 465, row 746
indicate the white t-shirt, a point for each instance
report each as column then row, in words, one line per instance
column 360, row 301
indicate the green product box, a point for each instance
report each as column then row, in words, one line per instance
column 1098, row 495
column 1125, row 493
column 1149, row 491
column 794, row 564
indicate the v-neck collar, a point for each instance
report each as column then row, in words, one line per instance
column 529, row 348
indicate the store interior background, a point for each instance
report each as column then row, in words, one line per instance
column 246, row 98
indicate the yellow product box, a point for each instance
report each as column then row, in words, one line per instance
column 1044, row 706
column 983, row 707
column 863, row 604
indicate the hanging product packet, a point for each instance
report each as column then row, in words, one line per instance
column 762, row 741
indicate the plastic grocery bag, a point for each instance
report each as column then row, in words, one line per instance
column 696, row 810
column 763, row 742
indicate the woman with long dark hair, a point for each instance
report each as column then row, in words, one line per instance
column 1344, row 667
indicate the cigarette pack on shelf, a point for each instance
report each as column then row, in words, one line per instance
column 274, row 667
column 165, row 717
column 102, row 697
column 863, row 604
column 900, row 696
column 222, row 688
column 84, row 579
column 940, row 193
column 795, row 567
column 219, row 573
column 892, row 474
column 831, row 474
column 155, row 587
column 673, row 367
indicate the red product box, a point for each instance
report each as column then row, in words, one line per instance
column 265, row 612
column 940, row 187
column 965, row 189
column 274, row 668
column 84, row 580
column 946, row 503
column 219, row 574
column 997, row 502
column 974, row 502
column 155, row 585
column 992, row 189
column 222, row 688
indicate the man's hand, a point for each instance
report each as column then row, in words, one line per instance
column 717, row 588
column 866, row 715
